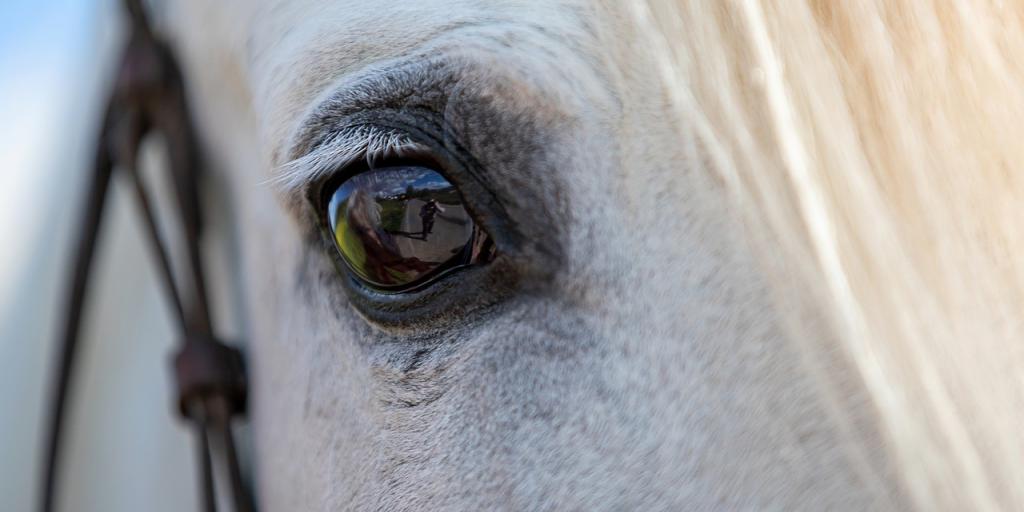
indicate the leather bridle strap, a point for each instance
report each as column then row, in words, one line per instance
column 149, row 98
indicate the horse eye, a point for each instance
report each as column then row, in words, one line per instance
column 398, row 228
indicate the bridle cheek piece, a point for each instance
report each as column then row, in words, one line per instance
column 149, row 98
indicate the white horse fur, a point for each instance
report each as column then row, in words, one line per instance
column 768, row 252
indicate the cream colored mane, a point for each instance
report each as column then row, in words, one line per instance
column 879, row 143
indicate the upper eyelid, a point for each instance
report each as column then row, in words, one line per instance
column 323, row 142
column 344, row 148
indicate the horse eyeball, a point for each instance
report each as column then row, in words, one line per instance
column 399, row 228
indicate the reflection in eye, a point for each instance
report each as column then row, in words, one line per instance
column 399, row 227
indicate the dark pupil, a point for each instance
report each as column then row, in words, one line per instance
column 398, row 227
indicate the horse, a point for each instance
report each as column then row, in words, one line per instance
column 748, row 255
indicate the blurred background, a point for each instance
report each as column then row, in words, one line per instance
column 124, row 448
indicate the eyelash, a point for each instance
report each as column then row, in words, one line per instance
column 341, row 151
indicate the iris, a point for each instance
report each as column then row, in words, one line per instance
column 399, row 228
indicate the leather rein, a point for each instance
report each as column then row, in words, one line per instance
column 148, row 98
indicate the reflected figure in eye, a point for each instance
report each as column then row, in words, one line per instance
column 427, row 214
column 396, row 225
column 383, row 262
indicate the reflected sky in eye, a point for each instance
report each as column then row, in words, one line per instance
column 393, row 185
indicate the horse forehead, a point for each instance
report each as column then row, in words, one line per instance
column 321, row 34
column 295, row 51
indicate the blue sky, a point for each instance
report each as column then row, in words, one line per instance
column 50, row 81
column 40, row 35
column 45, row 49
